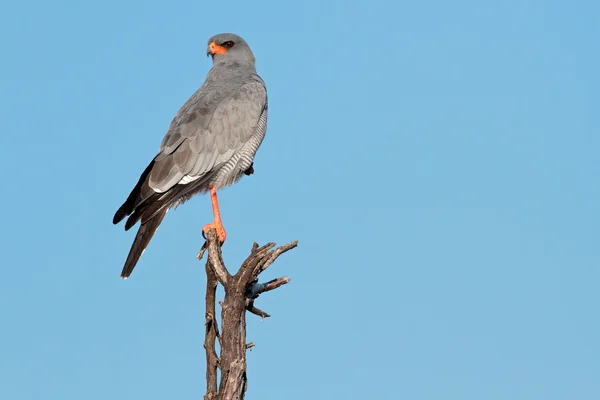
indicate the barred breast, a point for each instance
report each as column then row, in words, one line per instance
column 233, row 170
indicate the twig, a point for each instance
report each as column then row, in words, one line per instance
column 273, row 256
column 202, row 250
column 256, row 311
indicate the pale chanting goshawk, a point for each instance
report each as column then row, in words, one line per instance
column 209, row 145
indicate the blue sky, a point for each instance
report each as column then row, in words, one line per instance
column 438, row 162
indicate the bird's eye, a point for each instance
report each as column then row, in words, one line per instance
column 229, row 44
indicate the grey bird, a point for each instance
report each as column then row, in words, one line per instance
column 209, row 145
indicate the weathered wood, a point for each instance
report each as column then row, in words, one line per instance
column 211, row 334
column 241, row 290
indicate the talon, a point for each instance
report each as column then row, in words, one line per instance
column 218, row 227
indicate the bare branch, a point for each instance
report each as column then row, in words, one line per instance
column 262, row 249
column 202, row 250
column 240, row 291
column 255, row 290
column 211, row 332
column 245, row 273
column 250, row 307
column 215, row 257
column 273, row 256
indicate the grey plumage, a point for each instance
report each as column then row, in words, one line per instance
column 211, row 141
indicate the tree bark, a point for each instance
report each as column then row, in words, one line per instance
column 241, row 290
column 212, row 332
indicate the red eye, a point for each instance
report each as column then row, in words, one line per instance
column 228, row 44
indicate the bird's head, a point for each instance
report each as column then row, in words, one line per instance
column 226, row 47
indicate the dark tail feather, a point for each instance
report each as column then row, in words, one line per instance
column 142, row 238
column 142, row 211
column 154, row 204
column 135, row 198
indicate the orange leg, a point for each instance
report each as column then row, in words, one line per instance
column 217, row 223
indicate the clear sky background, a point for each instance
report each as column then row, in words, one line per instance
column 438, row 162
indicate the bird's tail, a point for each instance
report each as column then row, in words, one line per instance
column 142, row 238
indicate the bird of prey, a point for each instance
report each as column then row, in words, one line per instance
column 209, row 145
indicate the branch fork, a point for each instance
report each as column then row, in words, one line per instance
column 241, row 290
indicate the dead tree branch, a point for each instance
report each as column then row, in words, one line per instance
column 211, row 333
column 241, row 290
column 250, row 307
column 258, row 288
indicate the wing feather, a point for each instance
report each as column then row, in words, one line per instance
column 194, row 148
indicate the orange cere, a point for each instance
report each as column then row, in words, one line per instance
column 216, row 49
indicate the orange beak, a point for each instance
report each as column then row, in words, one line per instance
column 216, row 49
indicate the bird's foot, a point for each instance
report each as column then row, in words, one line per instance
column 221, row 234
